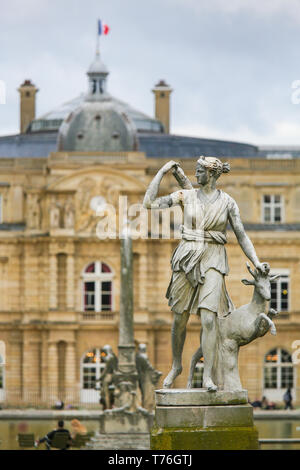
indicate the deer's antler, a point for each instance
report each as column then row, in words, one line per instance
column 274, row 277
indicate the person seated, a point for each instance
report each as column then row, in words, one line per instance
column 265, row 403
column 48, row 439
column 268, row 405
column 77, row 428
column 256, row 404
column 59, row 405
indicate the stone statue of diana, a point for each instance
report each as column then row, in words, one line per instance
column 199, row 263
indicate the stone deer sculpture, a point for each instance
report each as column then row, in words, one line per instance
column 242, row 326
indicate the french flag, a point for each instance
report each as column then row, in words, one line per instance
column 102, row 28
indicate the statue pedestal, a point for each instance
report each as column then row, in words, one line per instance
column 194, row 419
column 125, row 422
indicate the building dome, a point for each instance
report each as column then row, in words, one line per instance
column 101, row 122
column 96, row 121
column 99, row 125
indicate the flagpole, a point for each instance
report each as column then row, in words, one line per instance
column 98, row 40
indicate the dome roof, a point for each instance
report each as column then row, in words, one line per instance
column 97, row 126
column 52, row 120
column 101, row 123
column 97, row 82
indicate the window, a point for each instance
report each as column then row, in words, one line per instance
column 278, row 370
column 47, row 124
column 280, row 293
column 97, row 287
column 92, row 365
column 101, row 86
column 198, row 374
column 272, row 208
column 148, row 125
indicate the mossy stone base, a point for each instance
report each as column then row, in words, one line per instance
column 214, row 438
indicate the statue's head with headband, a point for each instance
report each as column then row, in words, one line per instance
column 214, row 165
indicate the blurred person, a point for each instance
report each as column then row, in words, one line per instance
column 287, row 398
column 59, row 405
column 50, row 436
column 23, row 427
column 256, row 403
column 77, row 428
column 265, row 403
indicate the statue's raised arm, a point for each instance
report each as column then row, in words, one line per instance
column 151, row 201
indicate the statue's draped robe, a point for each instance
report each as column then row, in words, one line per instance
column 199, row 263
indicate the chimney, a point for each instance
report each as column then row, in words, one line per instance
column 27, row 104
column 162, row 93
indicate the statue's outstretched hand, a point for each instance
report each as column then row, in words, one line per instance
column 168, row 166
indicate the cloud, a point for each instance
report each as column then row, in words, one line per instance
column 264, row 8
column 231, row 63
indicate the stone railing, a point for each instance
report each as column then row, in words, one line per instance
column 47, row 398
column 98, row 316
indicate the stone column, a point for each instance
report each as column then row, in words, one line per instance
column 44, row 368
column 28, row 282
column 70, row 282
column 3, row 283
column 53, row 282
column 70, row 368
column 52, row 373
column 127, row 417
column 126, row 335
column 14, row 376
column 31, row 370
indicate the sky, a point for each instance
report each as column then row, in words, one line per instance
column 232, row 64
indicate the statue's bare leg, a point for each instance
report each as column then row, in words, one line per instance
column 209, row 342
column 178, row 338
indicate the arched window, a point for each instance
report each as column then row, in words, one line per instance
column 91, row 367
column 97, row 287
column 278, row 373
column 198, row 374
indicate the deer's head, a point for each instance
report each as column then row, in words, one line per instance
column 261, row 280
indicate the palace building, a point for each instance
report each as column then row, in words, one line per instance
column 60, row 283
